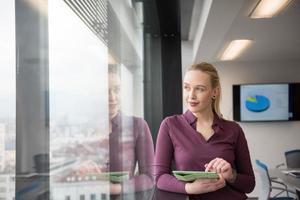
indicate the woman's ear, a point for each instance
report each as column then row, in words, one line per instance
column 216, row 92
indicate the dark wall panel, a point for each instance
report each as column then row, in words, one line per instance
column 163, row 84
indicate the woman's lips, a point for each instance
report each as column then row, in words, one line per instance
column 113, row 105
column 193, row 104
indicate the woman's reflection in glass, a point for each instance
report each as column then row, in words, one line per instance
column 130, row 145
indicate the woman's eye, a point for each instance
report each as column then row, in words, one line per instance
column 117, row 90
column 200, row 89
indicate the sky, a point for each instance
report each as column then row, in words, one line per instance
column 77, row 66
column 77, row 63
column 7, row 59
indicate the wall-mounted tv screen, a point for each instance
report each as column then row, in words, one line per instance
column 266, row 102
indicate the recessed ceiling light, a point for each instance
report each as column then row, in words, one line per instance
column 234, row 49
column 269, row 8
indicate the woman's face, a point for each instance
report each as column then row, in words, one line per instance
column 114, row 93
column 198, row 91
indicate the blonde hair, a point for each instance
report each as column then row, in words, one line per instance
column 215, row 82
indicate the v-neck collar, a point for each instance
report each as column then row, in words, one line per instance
column 116, row 123
column 192, row 121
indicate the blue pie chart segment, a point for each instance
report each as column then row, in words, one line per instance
column 257, row 103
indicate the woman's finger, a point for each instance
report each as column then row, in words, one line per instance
column 217, row 165
column 225, row 167
column 210, row 164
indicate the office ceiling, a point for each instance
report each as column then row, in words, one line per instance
column 214, row 23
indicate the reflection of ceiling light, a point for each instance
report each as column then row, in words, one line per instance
column 269, row 8
column 39, row 5
column 234, row 49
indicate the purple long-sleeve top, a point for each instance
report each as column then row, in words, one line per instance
column 179, row 142
column 131, row 145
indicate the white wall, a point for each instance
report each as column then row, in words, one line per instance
column 186, row 59
column 266, row 141
column 186, row 55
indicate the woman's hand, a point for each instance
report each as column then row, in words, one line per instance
column 222, row 167
column 115, row 188
column 201, row 186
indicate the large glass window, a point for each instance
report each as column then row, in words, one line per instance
column 76, row 68
column 78, row 104
column 99, row 143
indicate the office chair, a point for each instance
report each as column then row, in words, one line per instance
column 292, row 158
column 267, row 187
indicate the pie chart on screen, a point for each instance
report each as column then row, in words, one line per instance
column 257, row 103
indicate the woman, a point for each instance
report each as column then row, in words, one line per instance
column 201, row 140
column 130, row 144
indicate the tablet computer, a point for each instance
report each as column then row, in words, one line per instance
column 193, row 175
column 112, row 176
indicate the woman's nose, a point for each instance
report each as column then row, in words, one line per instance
column 112, row 95
column 192, row 94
